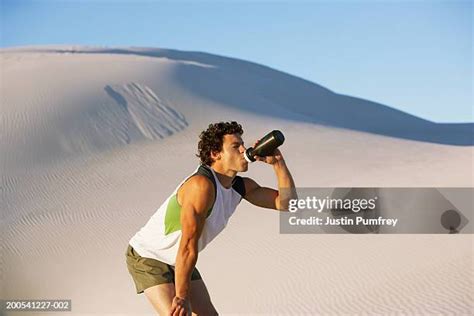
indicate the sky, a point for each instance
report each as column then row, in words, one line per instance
column 415, row 56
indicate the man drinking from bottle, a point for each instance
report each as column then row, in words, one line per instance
column 162, row 255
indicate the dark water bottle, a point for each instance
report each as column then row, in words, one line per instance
column 266, row 146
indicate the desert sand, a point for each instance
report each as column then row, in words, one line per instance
column 93, row 140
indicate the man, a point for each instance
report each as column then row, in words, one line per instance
column 161, row 257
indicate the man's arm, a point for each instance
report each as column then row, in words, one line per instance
column 270, row 198
column 197, row 197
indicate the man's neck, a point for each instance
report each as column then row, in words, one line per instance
column 225, row 176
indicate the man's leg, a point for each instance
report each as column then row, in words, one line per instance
column 161, row 296
column 200, row 299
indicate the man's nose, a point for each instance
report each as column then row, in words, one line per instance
column 242, row 149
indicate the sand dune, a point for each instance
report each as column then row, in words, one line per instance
column 93, row 139
column 263, row 90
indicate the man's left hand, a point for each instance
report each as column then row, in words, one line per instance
column 274, row 158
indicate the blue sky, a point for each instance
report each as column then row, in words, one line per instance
column 415, row 56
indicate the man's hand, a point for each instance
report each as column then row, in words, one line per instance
column 274, row 158
column 180, row 307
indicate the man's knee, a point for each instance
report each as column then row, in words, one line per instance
column 159, row 307
column 160, row 298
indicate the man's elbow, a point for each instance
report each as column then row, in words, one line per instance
column 282, row 200
column 282, row 204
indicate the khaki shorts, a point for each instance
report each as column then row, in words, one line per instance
column 147, row 272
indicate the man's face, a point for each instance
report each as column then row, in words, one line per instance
column 232, row 154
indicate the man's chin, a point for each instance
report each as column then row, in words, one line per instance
column 244, row 168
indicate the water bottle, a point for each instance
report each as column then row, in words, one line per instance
column 266, row 146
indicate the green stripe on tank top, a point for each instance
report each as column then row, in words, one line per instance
column 173, row 214
column 172, row 217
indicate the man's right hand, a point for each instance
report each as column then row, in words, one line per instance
column 180, row 307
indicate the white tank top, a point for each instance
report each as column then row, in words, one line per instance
column 160, row 237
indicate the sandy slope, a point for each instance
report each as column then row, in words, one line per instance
column 93, row 140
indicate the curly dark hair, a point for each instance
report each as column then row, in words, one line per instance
column 213, row 137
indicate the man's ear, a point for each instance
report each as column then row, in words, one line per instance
column 215, row 155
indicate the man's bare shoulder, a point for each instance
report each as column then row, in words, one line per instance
column 199, row 182
column 197, row 190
